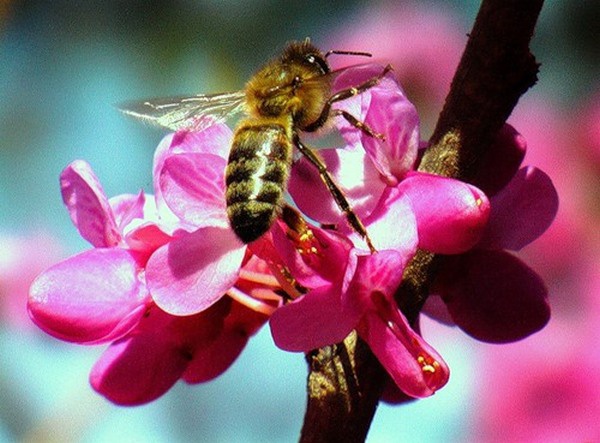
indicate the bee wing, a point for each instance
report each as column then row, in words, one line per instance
column 189, row 113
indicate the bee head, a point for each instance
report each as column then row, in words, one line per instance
column 306, row 54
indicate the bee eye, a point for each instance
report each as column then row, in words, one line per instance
column 319, row 62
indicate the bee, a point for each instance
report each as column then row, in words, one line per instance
column 288, row 95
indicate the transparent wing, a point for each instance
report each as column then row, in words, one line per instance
column 190, row 113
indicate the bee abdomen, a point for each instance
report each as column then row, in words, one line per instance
column 256, row 178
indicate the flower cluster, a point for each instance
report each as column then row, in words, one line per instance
column 177, row 295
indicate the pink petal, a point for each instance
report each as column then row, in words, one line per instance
column 351, row 170
column 192, row 272
column 386, row 110
column 416, row 368
column 315, row 262
column 215, row 139
column 436, row 308
column 521, row 211
column 381, row 273
column 193, row 186
column 451, row 215
column 213, row 357
column 88, row 206
column 311, row 322
column 127, row 207
column 147, row 238
column 92, row 297
column 392, row 225
column 501, row 162
column 142, row 366
column 494, row 297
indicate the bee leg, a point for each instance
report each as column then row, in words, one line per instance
column 359, row 125
column 346, row 94
column 337, row 193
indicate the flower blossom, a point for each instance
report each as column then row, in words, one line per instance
column 486, row 291
column 101, row 296
column 401, row 210
column 178, row 294
column 189, row 177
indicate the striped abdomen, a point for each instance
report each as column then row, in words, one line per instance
column 256, row 177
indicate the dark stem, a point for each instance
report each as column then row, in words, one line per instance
column 345, row 381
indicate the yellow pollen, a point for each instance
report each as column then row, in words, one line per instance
column 305, row 243
column 479, row 202
column 427, row 364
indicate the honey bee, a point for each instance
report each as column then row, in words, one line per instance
column 289, row 95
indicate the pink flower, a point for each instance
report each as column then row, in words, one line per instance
column 164, row 348
column 100, row 296
column 488, row 292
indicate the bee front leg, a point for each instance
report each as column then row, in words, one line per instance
column 335, row 191
column 359, row 125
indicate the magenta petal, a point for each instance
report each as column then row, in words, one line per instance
column 501, row 162
column 215, row 357
column 143, row 366
column 416, row 368
column 311, row 322
column 95, row 296
column 451, row 215
column 193, row 186
column 381, row 272
column 88, row 206
column 193, row 271
column 313, row 269
column 494, row 297
column 215, row 140
column 436, row 308
column 522, row 211
column 147, row 238
column 394, row 116
column 212, row 357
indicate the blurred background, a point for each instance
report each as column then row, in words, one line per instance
column 63, row 66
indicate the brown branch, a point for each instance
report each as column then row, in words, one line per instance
column 344, row 386
column 495, row 70
column 345, row 380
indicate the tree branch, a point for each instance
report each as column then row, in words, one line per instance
column 346, row 380
column 495, row 70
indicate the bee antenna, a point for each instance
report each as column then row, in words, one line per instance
column 334, row 51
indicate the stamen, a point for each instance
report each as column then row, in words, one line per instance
column 250, row 302
column 265, row 294
column 287, row 282
column 259, row 277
